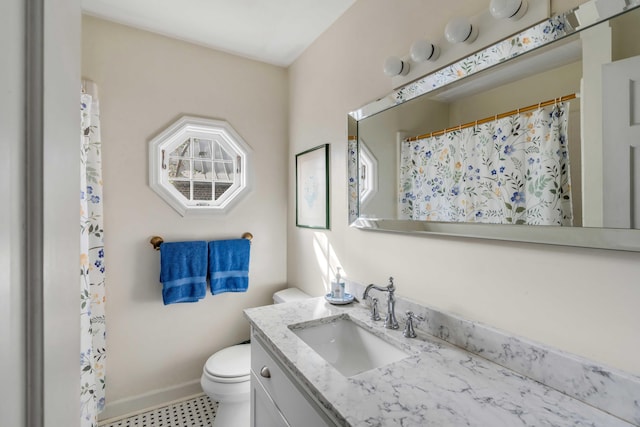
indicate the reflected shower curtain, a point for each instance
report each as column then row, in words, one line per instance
column 513, row 170
column 92, row 267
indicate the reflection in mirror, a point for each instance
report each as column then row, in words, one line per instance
column 523, row 142
column 510, row 170
column 367, row 174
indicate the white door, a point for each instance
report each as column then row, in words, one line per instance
column 621, row 143
column 12, row 321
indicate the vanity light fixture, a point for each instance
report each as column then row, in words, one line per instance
column 394, row 66
column 508, row 9
column 423, row 50
column 460, row 30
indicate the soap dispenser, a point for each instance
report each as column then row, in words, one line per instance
column 337, row 287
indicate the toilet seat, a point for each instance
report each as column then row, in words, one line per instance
column 230, row 365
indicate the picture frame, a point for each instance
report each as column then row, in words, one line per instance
column 312, row 188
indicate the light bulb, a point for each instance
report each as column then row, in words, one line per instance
column 423, row 50
column 394, row 66
column 508, row 9
column 460, row 30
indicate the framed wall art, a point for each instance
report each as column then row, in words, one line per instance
column 312, row 188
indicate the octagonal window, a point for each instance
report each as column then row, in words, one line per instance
column 199, row 165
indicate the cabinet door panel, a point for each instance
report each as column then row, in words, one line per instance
column 288, row 397
column 263, row 411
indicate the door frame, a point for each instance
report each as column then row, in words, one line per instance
column 40, row 316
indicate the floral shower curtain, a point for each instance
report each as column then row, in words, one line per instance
column 513, row 170
column 92, row 267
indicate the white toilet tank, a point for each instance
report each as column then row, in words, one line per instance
column 288, row 295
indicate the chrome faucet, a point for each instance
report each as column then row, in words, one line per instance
column 390, row 321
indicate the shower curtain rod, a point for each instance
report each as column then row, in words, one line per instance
column 492, row 118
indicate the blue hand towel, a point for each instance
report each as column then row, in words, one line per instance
column 183, row 271
column 229, row 265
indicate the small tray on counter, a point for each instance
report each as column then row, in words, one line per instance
column 347, row 299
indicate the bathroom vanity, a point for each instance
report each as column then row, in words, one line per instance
column 454, row 373
column 277, row 399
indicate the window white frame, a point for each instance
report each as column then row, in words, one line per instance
column 186, row 128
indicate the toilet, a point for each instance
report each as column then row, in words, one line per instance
column 227, row 373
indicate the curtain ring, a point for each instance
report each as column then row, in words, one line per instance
column 539, row 105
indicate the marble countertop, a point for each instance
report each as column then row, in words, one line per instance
column 439, row 384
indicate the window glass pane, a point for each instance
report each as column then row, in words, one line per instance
column 223, row 171
column 202, row 190
column 221, row 153
column 221, row 188
column 202, row 171
column 182, row 150
column 183, row 187
column 202, row 148
column 229, row 170
column 179, row 168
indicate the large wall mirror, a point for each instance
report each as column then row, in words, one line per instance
column 532, row 139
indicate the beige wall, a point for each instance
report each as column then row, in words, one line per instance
column 581, row 300
column 146, row 82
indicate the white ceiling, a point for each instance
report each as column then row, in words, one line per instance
column 272, row 31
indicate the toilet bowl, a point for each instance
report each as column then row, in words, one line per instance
column 225, row 379
column 227, row 373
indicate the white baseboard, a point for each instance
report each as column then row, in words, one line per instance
column 150, row 400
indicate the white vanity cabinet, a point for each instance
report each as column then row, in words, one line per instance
column 276, row 400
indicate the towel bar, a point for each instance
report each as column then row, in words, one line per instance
column 156, row 241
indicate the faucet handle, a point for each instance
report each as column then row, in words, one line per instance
column 409, row 332
column 411, row 315
column 375, row 315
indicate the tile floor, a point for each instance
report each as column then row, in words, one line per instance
column 198, row 411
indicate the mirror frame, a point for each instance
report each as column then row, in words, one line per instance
column 546, row 32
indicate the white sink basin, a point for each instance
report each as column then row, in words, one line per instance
column 348, row 347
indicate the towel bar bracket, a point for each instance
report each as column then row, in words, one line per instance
column 156, row 241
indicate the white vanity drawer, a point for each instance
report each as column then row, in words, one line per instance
column 288, row 398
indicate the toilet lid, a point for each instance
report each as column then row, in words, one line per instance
column 230, row 362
